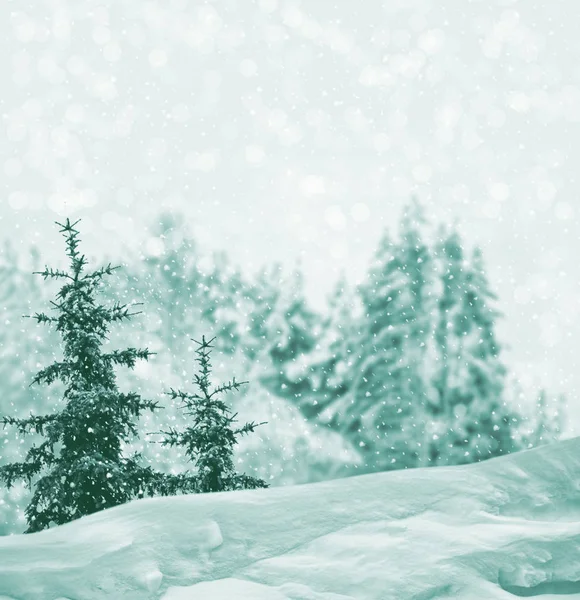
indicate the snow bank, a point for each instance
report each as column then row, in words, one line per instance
column 503, row 529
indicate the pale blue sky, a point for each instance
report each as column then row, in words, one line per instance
column 283, row 129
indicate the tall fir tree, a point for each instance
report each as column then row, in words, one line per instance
column 419, row 346
column 391, row 393
column 209, row 440
column 475, row 421
column 80, row 467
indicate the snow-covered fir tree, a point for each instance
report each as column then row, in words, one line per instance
column 170, row 276
column 20, row 346
column 330, row 364
column 549, row 419
column 289, row 448
column 419, row 345
column 474, row 420
column 261, row 296
column 291, row 331
column 21, row 349
column 227, row 303
column 81, row 467
column 188, row 290
column 209, row 439
column 388, row 406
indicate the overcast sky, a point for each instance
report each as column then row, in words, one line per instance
column 286, row 129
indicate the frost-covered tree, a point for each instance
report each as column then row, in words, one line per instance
column 191, row 289
column 209, row 440
column 261, row 295
column 177, row 288
column 330, row 364
column 290, row 332
column 20, row 347
column 289, row 449
column 391, row 390
column 419, row 345
column 187, row 290
column 20, row 352
column 80, row 466
column 226, row 304
column 475, row 421
column 549, row 419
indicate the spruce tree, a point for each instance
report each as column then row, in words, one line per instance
column 290, row 330
column 476, row 422
column 262, row 295
column 20, row 348
column 391, row 391
column 420, row 320
column 209, row 440
column 172, row 279
column 190, row 288
column 20, row 352
column 227, row 304
column 80, row 467
column 331, row 362
column 549, row 419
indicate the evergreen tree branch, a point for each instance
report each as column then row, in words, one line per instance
column 41, row 456
column 58, row 370
column 227, row 387
column 41, row 318
column 71, row 235
column 135, row 405
column 247, row 482
column 128, row 357
column 205, row 345
column 23, row 471
column 152, row 483
column 121, row 311
column 183, row 396
column 171, row 438
column 32, row 424
column 53, row 274
column 248, row 428
column 100, row 273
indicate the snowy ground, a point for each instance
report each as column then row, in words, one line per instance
column 503, row 529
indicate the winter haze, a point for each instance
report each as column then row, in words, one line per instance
column 287, row 130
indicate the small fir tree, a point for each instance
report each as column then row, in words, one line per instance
column 209, row 441
column 80, row 467
column 549, row 420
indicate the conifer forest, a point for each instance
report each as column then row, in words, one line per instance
column 402, row 371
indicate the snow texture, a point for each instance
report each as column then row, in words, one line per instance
column 502, row 529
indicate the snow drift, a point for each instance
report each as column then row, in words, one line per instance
column 503, row 529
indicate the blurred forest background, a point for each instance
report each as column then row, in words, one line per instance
column 402, row 371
